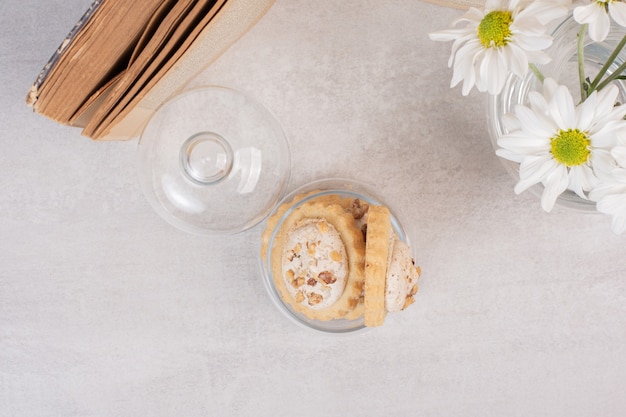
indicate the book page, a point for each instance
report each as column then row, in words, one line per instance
column 51, row 64
column 94, row 55
column 234, row 19
column 150, row 65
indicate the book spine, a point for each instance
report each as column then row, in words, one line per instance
column 33, row 94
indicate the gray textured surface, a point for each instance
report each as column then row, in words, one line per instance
column 105, row 310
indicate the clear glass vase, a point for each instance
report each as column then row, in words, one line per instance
column 564, row 69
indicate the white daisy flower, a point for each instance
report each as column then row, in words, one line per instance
column 561, row 145
column 596, row 15
column 503, row 38
column 611, row 194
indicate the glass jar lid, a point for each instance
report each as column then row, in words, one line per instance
column 213, row 161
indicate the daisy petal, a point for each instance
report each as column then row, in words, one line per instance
column 446, row 35
column 533, row 174
column 511, row 156
column 555, row 184
column 599, row 22
column 493, row 70
column 615, row 205
column 587, row 14
column 478, row 62
column 618, row 225
column 603, row 164
column 605, row 104
column 619, row 153
column 473, row 15
column 536, row 166
column 580, row 180
column 549, row 87
column 544, row 11
column 607, row 137
column 586, row 111
column 617, row 11
column 522, row 144
column 533, row 43
column 519, row 61
column 529, row 143
column 562, row 108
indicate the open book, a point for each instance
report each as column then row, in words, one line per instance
column 124, row 58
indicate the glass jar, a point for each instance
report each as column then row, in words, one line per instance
column 564, row 69
column 340, row 187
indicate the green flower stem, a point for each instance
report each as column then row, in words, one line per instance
column 537, row 73
column 613, row 76
column 581, row 62
column 595, row 84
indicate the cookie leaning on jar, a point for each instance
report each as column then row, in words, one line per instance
column 335, row 257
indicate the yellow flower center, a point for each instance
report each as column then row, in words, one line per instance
column 570, row 147
column 494, row 29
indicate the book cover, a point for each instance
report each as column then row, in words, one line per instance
column 31, row 98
